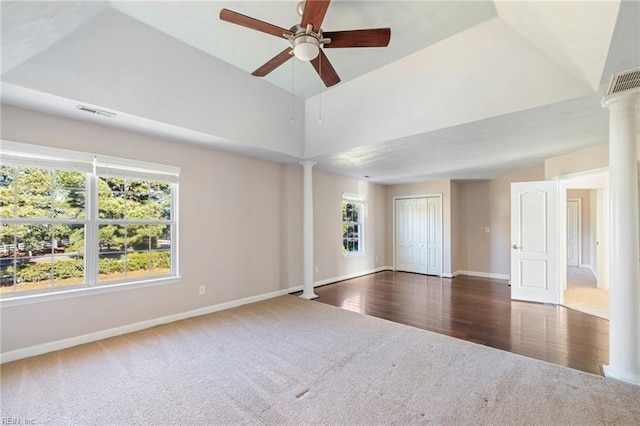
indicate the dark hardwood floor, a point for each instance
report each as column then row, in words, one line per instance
column 478, row 310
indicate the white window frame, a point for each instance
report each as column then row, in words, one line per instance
column 93, row 165
column 360, row 201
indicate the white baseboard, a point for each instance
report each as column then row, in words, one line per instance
column 350, row 276
column 117, row 331
column 482, row 275
column 589, row 267
column 130, row 328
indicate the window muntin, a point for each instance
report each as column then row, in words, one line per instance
column 52, row 237
column 352, row 226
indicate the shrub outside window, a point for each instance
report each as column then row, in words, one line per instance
column 74, row 220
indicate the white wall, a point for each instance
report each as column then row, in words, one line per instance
column 240, row 231
column 586, row 235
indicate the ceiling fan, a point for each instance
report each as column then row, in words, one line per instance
column 308, row 40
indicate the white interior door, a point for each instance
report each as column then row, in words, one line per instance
column 534, row 235
column 573, row 232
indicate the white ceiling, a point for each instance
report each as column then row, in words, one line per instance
column 465, row 90
column 35, row 26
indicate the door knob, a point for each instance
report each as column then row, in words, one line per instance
column 515, row 247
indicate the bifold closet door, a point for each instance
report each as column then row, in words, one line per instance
column 418, row 235
column 434, row 236
column 405, row 223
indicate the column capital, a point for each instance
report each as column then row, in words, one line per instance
column 308, row 164
column 622, row 101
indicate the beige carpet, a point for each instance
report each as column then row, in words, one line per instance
column 582, row 295
column 292, row 361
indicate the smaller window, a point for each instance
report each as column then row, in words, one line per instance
column 352, row 229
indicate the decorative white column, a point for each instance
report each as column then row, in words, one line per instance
column 624, row 255
column 307, row 220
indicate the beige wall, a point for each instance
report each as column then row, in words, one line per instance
column 240, row 231
column 476, row 208
column 327, row 198
column 456, row 234
column 585, row 196
column 487, row 204
column 469, row 208
column 593, row 158
column 291, row 225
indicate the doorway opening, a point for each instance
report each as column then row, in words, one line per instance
column 584, row 275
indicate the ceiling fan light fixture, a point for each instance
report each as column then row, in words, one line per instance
column 308, row 40
column 306, row 47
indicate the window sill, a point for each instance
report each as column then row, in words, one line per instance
column 353, row 254
column 28, row 299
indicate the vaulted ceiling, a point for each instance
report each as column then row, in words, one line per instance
column 465, row 90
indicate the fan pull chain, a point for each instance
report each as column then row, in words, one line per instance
column 320, row 90
column 293, row 105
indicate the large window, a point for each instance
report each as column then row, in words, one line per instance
column 352, row 226
column 77, row 220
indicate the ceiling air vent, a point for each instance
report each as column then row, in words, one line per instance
column 624, row 81
column 96, row 111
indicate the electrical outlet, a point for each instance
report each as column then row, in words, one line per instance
column 317, row 268
column 487, row 230
column 202, row 289
column 377, row 259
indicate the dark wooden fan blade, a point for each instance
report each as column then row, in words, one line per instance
column 314, row 11
column 254, row 24
column 274, row 63
column 328, row 75
column 375, row 37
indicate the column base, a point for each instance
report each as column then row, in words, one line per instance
column 308, row 296
column 612, row 373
